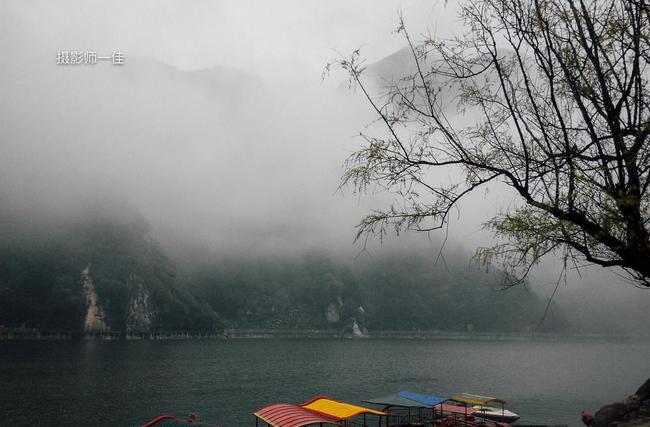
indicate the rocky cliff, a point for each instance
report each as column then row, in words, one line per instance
column 95, row 319
column 140, row 314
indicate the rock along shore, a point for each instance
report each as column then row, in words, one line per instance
column 634, row 411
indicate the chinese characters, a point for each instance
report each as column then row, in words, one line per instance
column 88, row 57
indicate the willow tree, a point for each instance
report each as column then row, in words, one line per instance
column 557, row 91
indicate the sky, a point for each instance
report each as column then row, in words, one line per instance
column 249, row 35
column 295, row 131
column 218, row 128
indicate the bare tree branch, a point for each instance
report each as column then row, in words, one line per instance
column 561, row 89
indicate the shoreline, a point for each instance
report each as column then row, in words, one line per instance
column 24, row 334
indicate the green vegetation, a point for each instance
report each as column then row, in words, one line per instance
column 405, row 291
column 279, row 293
column 409, row 291
column 41, row 286
column 41, row 277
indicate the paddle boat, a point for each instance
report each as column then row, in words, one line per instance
column 408, row 409
column 484, row 407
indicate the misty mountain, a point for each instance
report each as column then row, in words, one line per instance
column 93, row 273
column 394, row 290
column 97, row 271
column 310, row 292
column 218, row 159
column 397, row 69
column 411, row 289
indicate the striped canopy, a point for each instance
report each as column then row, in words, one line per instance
column 286, row 415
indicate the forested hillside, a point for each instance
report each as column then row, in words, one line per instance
column 108, row 273
column 395, row 291
column 42, row 275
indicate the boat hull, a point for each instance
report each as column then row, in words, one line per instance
column 495, row 415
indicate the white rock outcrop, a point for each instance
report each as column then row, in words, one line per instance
column 95, row 320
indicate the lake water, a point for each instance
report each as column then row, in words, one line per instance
column 103, row 383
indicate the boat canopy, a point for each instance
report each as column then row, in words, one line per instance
column 337, row 410
column 475, row 399
column 423, row 399
column 286, row 415
column 407, row 399
column 394, row 400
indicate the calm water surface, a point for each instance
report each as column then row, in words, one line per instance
column 128, row 383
